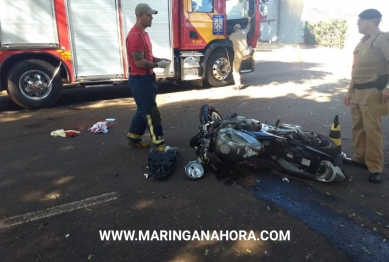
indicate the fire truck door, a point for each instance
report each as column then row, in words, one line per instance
column 160, row 32
column 208, row 22
column 94, row 29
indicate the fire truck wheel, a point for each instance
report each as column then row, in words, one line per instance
column 219, row 68
column 29, row 84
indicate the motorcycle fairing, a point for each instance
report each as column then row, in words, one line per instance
column 235, row 145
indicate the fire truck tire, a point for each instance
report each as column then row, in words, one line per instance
column 28, row 83
column 219, row 68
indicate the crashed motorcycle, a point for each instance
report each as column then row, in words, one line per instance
column 300, row 153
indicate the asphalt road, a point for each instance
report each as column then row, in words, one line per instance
column 56, row 194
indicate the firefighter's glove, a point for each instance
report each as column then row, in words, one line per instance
column 163, row 63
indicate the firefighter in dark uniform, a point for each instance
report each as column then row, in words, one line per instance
column 369, row 77
column 142, row 81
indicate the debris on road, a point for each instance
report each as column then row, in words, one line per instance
column 67, row 235
column 65, row 133
column 367, row 251
column 285, row 179
column 43, row 225
column 146, row 175
column 100, row 127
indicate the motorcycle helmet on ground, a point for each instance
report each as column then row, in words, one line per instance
column 162, row 164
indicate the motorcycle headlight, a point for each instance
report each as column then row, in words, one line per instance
column 194, row 170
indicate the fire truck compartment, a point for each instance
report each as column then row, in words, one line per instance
column 20, row 27
column 95, row 39
column 160, row 32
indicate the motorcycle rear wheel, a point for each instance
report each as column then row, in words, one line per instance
column 208, row 114
column 326, row 146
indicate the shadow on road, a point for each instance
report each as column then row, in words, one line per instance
column 41, row 172
column 266, row 72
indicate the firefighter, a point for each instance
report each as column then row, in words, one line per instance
column 142, row 82
column 369, row 77
column 241, row 50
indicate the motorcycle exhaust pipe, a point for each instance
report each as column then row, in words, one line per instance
column 330, row 172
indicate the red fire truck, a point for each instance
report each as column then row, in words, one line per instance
column 46, row 45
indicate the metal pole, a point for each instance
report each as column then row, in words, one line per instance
column 55, row 73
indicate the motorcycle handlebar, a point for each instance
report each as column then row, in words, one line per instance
column 220, row 123
column 233, row 115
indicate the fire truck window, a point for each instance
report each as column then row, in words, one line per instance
column 202, row 6
column 236, row 9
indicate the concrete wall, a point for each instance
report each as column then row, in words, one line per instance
column 290, row 19
column 293, row 14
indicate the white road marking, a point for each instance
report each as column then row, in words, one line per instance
column 49, row 212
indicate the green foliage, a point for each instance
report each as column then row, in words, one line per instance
column 326, row 33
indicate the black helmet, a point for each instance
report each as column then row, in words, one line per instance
column 162, row 164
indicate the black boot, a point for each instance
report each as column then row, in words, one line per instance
column 375, row 177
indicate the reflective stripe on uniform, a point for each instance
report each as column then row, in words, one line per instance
column 134, row 136
column 151, row 129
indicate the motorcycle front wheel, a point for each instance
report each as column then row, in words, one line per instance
column 208, row 114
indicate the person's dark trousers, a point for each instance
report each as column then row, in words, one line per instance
column 144, row 91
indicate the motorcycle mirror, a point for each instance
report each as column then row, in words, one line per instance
column 277, row 123
column 234, row 114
